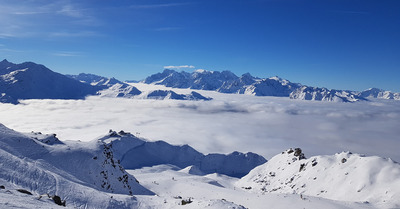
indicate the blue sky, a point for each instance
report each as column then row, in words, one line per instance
column 340, row 44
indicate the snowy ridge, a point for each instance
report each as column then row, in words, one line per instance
column 95, row 80
column 32, row 81
column 379, row 94
column 127, row 148
column 78, row 173
column 227, row 82
column 116, row 88
column 324, row 94
column 344, row 176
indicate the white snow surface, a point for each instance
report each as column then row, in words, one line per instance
column 343, row 176
column 81, row 174
column 219, row 191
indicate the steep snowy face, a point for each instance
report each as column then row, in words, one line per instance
column 32, row 81
column 74, row 171
column 136, row 153
column 324, row 94
column 344, row 176
column 113, row 87
column 168, row 94
column 379, row 94
column 95, row 80
column 272, row 87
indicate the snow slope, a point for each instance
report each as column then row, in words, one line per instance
column 343, row 176
column 81, row 174
column 32, row 81
column 175, row 185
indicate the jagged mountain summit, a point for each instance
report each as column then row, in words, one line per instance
column 344, row 176
column 95, row 80
column 227, row 82
column 379, row 93
column 32, row 81
column 116, row 88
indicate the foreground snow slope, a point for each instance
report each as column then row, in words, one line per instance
column 173, row 185
column 81, row 174
column 344, row 176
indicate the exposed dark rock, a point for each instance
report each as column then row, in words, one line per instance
column 58, row 200
column 24, row 191
column 344, row 160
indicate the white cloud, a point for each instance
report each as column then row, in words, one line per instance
column 67, row 54
column 179, row 67
column 265, row 125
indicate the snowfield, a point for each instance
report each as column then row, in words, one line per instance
column 40, row 171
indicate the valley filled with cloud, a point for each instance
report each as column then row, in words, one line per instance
column 264, row 125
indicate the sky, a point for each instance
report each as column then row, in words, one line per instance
column 339, row 44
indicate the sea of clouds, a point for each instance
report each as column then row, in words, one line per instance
column 264, row 125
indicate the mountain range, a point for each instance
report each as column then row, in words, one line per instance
column 227, row 82
column 33, row 81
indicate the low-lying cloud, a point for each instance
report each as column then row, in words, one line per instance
column 265, row 125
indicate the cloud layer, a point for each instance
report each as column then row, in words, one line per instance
column 265, row 125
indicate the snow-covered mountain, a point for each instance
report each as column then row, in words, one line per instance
column 344, row 176
column 227, row 82
column 32, row 81
column 127, row 148
column 80, row 174
column 379, row 94
column 90, row 173
column 116, row 88
column 95, row 80
column 38, row 170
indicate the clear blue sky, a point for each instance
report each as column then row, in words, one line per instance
column 341, row 44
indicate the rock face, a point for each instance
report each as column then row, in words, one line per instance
column 344, row 176
column 32, row 81
column 227, row 82
column 127, row 148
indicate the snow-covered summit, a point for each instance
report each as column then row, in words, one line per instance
column 29, row 80
column 379, row 94
column 344, row 176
